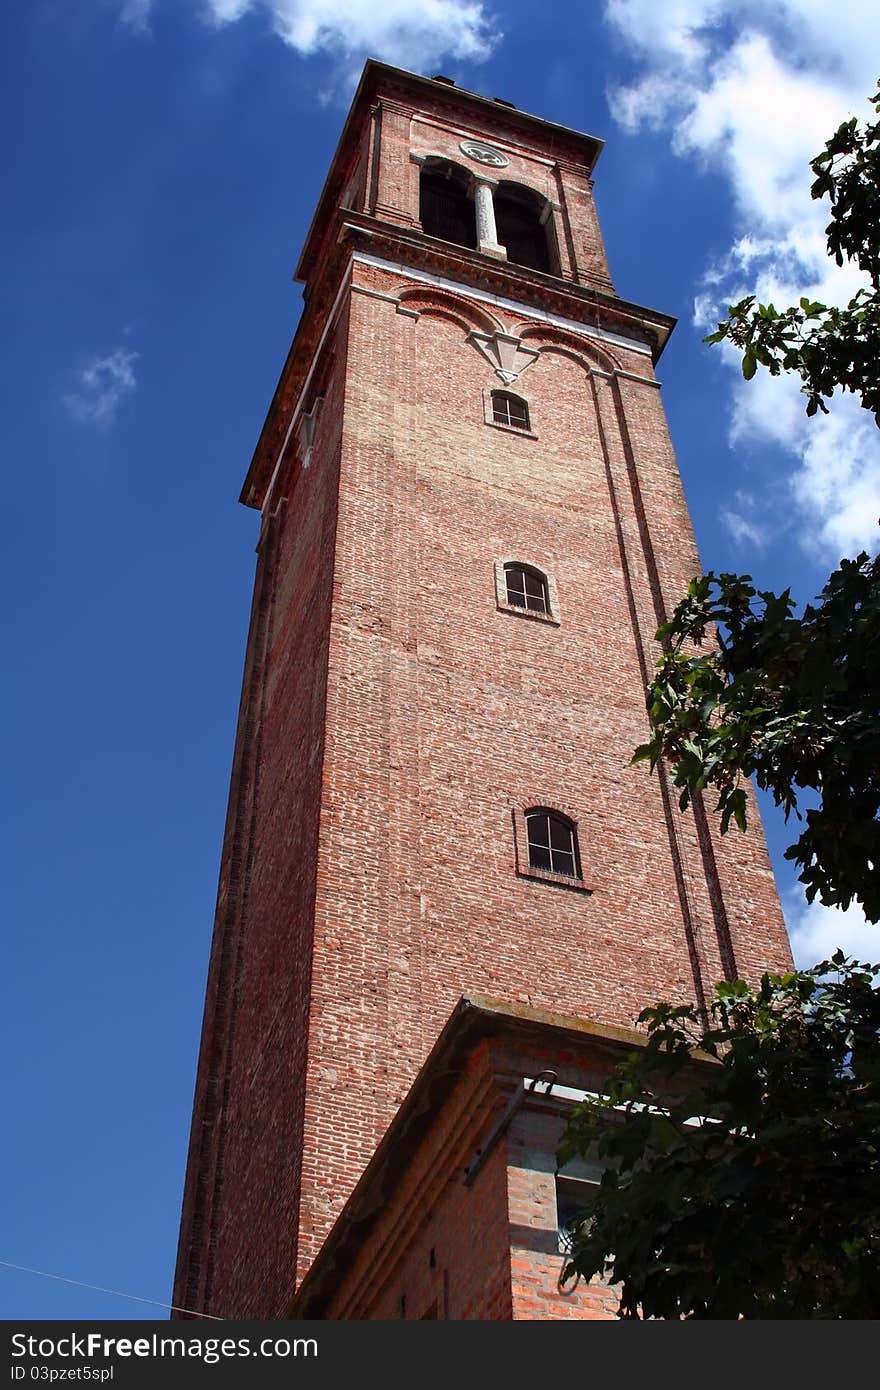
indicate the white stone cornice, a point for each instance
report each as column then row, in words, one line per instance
column 526, row 311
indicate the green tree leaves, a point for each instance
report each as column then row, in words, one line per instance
column 743, row 1156
column 793, row 702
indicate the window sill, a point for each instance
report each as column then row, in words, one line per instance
column 512, row 429
column 580, row 885
column 527, row 613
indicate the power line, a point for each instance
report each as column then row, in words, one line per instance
column 117, row 1293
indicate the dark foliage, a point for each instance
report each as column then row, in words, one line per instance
column 746, row 1186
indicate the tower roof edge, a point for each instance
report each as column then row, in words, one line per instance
column 378, row 78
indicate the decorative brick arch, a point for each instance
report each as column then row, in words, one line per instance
column 585, row 351
column 433, row 159
column 450, row 306
column 528, row 183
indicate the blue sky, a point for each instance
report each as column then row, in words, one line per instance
column 163, row 161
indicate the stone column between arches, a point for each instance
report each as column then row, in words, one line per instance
column 487, row 231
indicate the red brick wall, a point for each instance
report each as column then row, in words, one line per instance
column 239, row 1224
column 443, row 713
column 535, row 1258
column 487, row 1250
column 440, row 1248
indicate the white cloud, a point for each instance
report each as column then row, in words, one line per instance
column 683, row 36
column 409, row 33
column 754, row 90
column 136, row 14
column 101, row 387
column 225, row 11
column 817, row 932
column 415, row 34
column 835, row 483
column 741, row 522
column 839, row 479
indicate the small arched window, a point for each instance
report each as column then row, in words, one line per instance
column 552, row 843
column 510, row 410
column 526, row 588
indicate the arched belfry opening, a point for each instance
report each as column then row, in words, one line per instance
column 446, row 209
column 523, row 223
column 469, row 210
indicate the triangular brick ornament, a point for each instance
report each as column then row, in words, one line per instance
column 505, row 352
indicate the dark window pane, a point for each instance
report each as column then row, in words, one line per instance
column 516, row 592
column 539, row 857
column 536, row 593
column 509, row 410
column 539, row 829
column 526, row 590
column 552, row 844
column 560, row 834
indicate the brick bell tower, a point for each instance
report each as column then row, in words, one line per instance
column 472, row 524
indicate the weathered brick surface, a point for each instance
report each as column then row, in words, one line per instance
column 535, row 1257
column 236, row 1254
column 437, row 1245
column 419, row 1260
column 393, row 718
